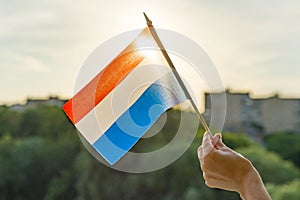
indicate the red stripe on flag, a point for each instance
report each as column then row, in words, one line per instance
column 102, row 84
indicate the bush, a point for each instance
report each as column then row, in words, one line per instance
column 270, row 165
column 28, row 165
column 286, row 145
column 236, row 140
column 288, row 191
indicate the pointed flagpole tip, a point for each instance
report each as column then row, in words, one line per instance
column 149, row 22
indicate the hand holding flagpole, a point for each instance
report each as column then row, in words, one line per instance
column 170, row 63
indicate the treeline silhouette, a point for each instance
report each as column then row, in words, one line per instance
column 42, row 157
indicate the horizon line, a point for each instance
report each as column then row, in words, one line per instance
column 227, row 91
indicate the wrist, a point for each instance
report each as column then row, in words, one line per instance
column 250, row 179
column 252, row 186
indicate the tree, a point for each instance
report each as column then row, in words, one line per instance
column 28, row 165
column 271, row 166
column 237, row 140
column 288, row 191
column 9, row 121
column 31, row 123
column 291, row 151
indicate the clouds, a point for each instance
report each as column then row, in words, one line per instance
column 257, row 42
column 50, row 39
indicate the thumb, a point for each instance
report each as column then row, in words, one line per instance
column 217, row 141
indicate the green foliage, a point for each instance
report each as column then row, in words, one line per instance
column 286, row 145
column 62, row 186
column 48, row 121
column 30, row 123
column 288, row 191
column 41, row 158
column 271, row 166
column 36, row 161
column 234, row 140
column 28, row 165
column 9, row 121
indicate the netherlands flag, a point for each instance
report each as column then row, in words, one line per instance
column 117, row 107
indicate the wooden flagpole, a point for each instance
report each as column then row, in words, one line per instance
column 170, row 63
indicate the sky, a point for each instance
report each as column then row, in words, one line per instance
column 255, row 45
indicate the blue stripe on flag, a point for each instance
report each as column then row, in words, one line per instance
column 125, row 132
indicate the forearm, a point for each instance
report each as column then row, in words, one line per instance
column 253, row 187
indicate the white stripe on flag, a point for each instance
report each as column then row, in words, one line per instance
column 99, row 119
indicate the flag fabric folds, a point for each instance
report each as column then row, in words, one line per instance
column 116, row 108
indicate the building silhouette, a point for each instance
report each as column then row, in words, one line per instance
column 35, row 102
column 257, row 116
